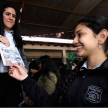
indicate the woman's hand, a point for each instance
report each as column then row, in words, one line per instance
column 4, row 40
column 18, row 72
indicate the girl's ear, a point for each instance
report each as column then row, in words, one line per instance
column 102, row 36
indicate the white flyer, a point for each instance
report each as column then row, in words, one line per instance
column 11, row 55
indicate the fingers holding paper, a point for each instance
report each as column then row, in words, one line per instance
column 4, row 40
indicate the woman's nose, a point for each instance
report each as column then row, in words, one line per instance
column 11, row 17
column 75, row 40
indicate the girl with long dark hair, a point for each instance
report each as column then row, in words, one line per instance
column 88, row 87
column 49, row 76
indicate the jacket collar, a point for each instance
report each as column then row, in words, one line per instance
column 84, row 66
column 104, row 64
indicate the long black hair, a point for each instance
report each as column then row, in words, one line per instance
column 47, row 65
column 15, row 28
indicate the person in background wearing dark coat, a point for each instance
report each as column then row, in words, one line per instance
column 62, row 70
column 89, row 88
column 34, row 69
column 9, row 37
column 34, row 73
column 75, row 63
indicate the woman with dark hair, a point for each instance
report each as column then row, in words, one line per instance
column 89, row 86
column 48, row 78
column 9, row 37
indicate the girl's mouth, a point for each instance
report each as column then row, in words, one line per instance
column 79, row 47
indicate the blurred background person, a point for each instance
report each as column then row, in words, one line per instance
column 34, row 69
column 34, row 73
column 48, row 75
column 75, row 63
column 63, row 71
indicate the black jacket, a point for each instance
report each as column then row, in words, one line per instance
column 89, row 88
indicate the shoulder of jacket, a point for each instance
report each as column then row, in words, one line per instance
column 53, row 76
column 103, row 71
column 51, row 73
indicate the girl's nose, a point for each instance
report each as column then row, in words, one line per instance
column 75, row 40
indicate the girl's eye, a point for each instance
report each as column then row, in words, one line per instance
column 7, row 13
column 79, row 34
column 14, row 16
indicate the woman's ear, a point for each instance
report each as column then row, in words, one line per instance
column 102, row 36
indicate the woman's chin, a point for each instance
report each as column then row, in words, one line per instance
column 79, row 54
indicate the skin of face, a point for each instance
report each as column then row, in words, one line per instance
column 9, row 17
column 33, row 71
column 85, row 41
column 74, row 64
column 40, row 65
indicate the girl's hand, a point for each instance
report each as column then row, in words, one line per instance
column 4, row 40
column 18, row 72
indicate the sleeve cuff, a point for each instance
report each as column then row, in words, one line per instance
column 26, row 82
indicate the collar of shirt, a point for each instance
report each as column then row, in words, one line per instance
column 85, row 66
column 12, row 32
column 9, row 36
